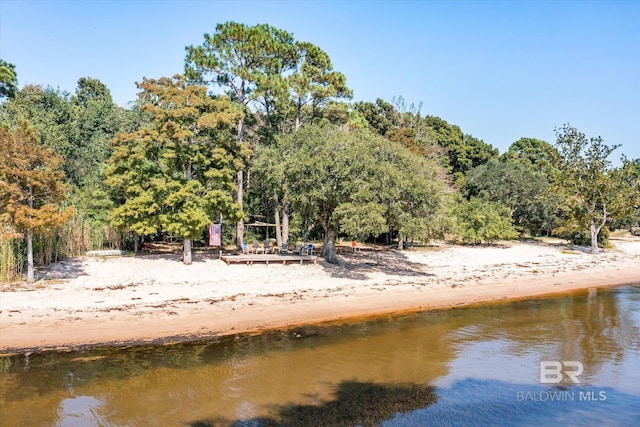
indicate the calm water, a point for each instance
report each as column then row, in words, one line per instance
column 469, row 366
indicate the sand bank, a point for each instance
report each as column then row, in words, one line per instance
column 155, row 299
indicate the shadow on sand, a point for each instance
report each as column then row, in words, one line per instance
column 357, row 265
column 68, row 269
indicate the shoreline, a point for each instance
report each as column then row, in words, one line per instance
column 147, row 305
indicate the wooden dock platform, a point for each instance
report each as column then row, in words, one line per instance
column 267, row 258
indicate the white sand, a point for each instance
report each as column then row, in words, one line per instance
column 91, row 301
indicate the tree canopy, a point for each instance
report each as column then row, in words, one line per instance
column 177, row 173
column 596, row 192
column 517, row 185
column 8, row 79
column 357, row 183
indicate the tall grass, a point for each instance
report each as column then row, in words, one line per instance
column 12, row 259
column 76, row 237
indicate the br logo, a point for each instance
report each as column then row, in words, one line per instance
column 552, row 372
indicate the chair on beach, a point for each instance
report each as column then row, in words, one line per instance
column 309, row 249
column 267, row 247
column 257, row 248
column 285, row 248
column 298, row 249
column 245, row 248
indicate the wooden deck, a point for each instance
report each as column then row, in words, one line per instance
column 267, row 258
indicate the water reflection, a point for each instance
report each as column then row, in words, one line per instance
column 80, row 411
column 447, row 362
column 354, row 403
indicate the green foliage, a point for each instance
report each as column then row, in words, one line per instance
column 464, row 151
column 236, row 57
column 8, row 79
column 483, row 221
column 575, row 233
column 520, row 187
column 177, row 173
column 96, row 123
column 78, row 128
column 12, row 259
column 313, row 81
column 355, row 182
column 49, row 112
column 361, row 221
column 263, row 67
column 427, row 136
column 381, row 115
column 596, row 193
column 538, row 153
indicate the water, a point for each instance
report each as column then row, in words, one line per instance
column 468, row 366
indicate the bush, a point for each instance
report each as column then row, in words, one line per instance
column 479, row 220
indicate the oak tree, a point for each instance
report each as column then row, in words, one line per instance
column 356, row 182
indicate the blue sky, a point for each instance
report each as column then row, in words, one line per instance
column 499, row 70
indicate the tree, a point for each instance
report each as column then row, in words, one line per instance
column 314, row 81
column 31, row 186
column 517, row 185
column 596, row 192
column 464, row 151
column 355, row 182
column 96, row 121
column 481, row 220
column 539, row 153
column 50, row 113
column 266, row 71
column 241, row 59
column 177, row 173
column 8, row 79
column 380, row 116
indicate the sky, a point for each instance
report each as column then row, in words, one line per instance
column 501, row 70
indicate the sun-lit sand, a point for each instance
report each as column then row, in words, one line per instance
column 155, row 298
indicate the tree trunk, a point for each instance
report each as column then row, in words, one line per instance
column 285, row 221
column 30, row 276
column 276, row 213
column 240, row 223
column 400, row 242
column 135, row 243
column 240, row 182
column 186, row 254
column 298, row 112
column 329, row 245
column 305, row 236
column 594, row 238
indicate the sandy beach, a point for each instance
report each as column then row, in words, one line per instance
column 130, row 300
